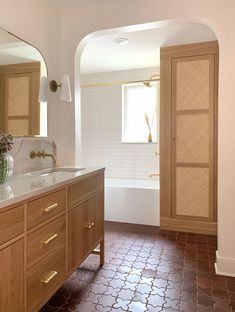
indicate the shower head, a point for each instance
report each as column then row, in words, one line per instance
column 147, row 83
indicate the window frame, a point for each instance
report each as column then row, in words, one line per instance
column 123, row 141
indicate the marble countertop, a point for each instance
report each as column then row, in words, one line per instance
column 23, row 186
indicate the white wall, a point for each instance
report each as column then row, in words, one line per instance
column 78, row 23
column 21, row 151
column 37, row 23
column 101, row 129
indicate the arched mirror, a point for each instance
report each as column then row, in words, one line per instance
column 21, row 67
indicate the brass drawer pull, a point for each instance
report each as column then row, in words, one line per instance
column 50, row 208
column 49, row 277
column 50, row 239
column 92, row 224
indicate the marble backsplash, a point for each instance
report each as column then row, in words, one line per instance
column 21, row 151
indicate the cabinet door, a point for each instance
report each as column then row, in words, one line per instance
column 99, row 216
column 81, row 235
column 12, row 274
column 20, row 109
column 86, row 224
column 193, row 140
column 75, row 236
column 94, row 221
column 188, row 143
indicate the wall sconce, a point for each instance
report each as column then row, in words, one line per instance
column 65, row 92
column 43, row 90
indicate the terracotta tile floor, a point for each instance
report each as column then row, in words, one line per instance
column 148, row 270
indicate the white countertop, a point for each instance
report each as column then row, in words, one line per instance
column 23, row 186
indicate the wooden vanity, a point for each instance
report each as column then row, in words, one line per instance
column 44, row 238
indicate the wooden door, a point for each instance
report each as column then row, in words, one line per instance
column 99, row 216
column 86, row 228
column 75, row 236
column 89, row 224
column 18, row 97
column 12, row 278
column 20, row 112
column 193, row 137
column 188, row 137
column 81, row 233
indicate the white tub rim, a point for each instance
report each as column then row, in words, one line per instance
column 133, row 183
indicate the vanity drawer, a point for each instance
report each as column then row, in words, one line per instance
column 45, row 240
column 42, row 282
column 84, row 189
column 43, row 208
column 11, row 223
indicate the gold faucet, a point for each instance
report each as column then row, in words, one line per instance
column 154, row 175
column 42, row 154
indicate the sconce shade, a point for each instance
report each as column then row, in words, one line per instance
column 43, row 90
column 65, row 94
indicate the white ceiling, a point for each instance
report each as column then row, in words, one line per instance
column 102, row 55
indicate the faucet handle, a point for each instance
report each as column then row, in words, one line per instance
column 42, row 154
column 32, row 154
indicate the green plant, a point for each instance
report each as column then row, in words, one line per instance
column 6, row 143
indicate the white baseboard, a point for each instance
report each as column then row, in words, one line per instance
column 224, row 266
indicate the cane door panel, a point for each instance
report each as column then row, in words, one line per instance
column 192, row 137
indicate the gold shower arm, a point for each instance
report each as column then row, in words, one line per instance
column 116, row 83
column 154, row 175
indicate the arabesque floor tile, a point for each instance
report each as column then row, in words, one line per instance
column 147, row 269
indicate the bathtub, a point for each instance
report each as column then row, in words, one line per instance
column 132, row 201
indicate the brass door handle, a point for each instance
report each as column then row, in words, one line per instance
column 50, row 208
column 50, row 239
column 49, row 277
column 88, row 226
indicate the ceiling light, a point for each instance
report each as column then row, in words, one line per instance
column 121, row 41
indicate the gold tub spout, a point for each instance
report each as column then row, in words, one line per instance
column 42, row 154
column 154, row 175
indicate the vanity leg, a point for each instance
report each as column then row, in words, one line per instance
column 102, row 253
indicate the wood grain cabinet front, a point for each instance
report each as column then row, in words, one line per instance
column 78, row 192
column 46, row 238
column 45, row 241
column 11, row 223
column 85, row 229
column 45, row 207
column 42, row 282
column 12, row 278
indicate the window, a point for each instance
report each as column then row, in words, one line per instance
column 140, row 113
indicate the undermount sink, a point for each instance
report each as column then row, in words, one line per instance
column 63, row 169
column 49, row 171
